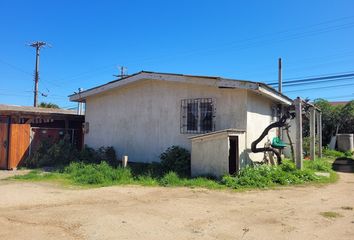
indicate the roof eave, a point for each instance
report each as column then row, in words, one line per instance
column 212, row 81
column 276, row 96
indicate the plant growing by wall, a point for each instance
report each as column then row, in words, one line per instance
column 176, row 159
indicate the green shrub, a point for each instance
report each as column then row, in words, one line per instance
column 147, row 180
column 335, row 154
column 53, row 155
column 63, row 152
column 306, row 146
column 98, row 174
column 171, row 179
column 348, row 154
column 176, row 159
column 267, row 176
column 151, row 169
column 103, row 154
column 319, row 165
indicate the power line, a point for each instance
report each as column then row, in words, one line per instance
column 308, row 89
column 257, row 43
column 311, row 80
column 15, row 67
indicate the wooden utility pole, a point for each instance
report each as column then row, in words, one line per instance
column 79, row 104
column 38, row 45
column 298, row 141
column 280, row 82
column 280, row 89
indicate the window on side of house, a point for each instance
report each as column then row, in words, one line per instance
column 274, row 116
column 197, row 115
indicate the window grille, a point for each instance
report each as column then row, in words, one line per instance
column 197, row 115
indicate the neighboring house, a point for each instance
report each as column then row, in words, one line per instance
column 23, row 128
column 338, row 103
column 145, row 113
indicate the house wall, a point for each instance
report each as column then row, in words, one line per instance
column 259, row 116
column 142, row 119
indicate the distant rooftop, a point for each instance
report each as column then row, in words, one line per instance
column 338, row 103
column 34, row 110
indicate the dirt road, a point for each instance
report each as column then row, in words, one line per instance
column 46, row 211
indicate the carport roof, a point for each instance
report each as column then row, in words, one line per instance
column 14, row 109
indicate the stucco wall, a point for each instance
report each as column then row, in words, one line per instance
column 210, row 154
column 259, row 116
column 142, row 120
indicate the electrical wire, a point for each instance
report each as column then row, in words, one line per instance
column 312, row 80
column 316, row 88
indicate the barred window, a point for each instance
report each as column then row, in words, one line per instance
column 197, row 115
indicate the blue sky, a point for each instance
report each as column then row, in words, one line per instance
column 233, row 39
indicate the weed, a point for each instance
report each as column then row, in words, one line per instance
column 334, row 153
column 319, row 165
column 171, row 179
column 347, row 208
column 331, row 214
column 101, row 174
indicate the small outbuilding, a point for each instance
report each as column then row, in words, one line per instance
column 23, row 128
column 219, row 152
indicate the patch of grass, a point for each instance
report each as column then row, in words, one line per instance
column 331, row 214
column 38, row 175
column 319, row 165
column 102, row 174
column 347, row 208
column 269, row 176
column 335, row 154
column 98, row 174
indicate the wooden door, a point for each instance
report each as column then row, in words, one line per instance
column 19, row 144
column 234, row 163
column 3, row 142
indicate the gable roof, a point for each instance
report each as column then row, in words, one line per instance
column 258, row 87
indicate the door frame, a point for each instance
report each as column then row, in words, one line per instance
column 234, row 140
column 7, row 121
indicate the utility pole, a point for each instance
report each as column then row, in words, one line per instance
column 38, row 45
column 122, row 72
column 280, row 82
column 80, row 104
column 280, row 89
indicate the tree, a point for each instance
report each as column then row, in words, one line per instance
column 347, row 118
column 48, row 105
column 333, row 117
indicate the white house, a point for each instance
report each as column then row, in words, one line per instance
column 143, row 114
